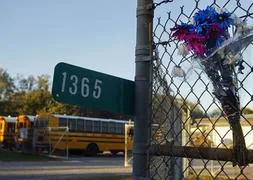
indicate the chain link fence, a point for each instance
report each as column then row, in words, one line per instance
column 191, row 137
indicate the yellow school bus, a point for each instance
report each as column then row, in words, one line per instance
column 23, row 128
column 7, row 131
column 92, row 135
column 200, row 136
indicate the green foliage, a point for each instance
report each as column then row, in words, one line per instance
column 37, row 102
column 25, row 84
column 43, row 82
column 31, row 102
column 31, row 96
column 194, row 109
column 7, row 86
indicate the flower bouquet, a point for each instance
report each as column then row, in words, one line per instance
column 208, row 39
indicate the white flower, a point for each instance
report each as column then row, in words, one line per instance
column 177, row 71
column 182, row 50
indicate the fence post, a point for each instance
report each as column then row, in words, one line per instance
column 143, row 72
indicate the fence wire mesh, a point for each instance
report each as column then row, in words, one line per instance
column 191, row 134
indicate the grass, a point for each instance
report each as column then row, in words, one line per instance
column 18, row 156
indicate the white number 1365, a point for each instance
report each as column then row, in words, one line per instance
column 85, row 88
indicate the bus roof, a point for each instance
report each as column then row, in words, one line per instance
column 10, row 119
column 30, row 117
column 87, row 118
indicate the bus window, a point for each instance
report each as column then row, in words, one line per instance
column 119, row 128
column 63, row 122
column 112, row 127
column 97, row 126
column 72, row 124
column 104, row 127
column 88, row 126
column 80, row 125
column 75, row 124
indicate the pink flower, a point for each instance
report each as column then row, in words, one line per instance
column 196, row 43
column 180, row 33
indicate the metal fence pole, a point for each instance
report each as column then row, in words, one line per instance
column 143, row 70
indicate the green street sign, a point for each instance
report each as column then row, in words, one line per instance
column 90, row 89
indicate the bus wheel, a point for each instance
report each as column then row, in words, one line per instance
column 114, row 153
column 92, row 149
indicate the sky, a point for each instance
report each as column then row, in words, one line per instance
column 97, row 35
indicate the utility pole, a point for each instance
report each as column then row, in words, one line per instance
column 143, row 88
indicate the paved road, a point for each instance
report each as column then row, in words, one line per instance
column 74, row 168
column 91, row 168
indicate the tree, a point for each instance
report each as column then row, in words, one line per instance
column 43, row 82
column 31, row 81
column 29, row 99
column 32, row 97
column 7, row 86
column 195, row 110
column 25, row 83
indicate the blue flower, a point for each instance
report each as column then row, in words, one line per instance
column 202, row 28
column 205, row 16
column 224, row 20
column 188, row 27
column 219, row 41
